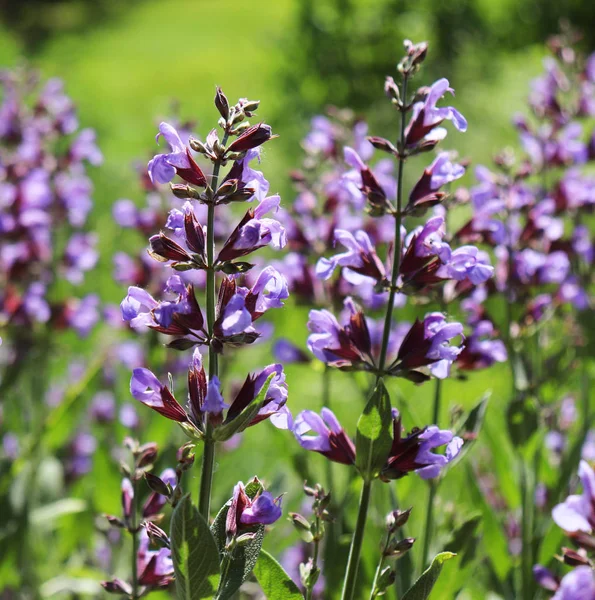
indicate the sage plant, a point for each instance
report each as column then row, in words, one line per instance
column 212, row 415
column 418, row 263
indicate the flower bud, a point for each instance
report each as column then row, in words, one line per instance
column 222, row 104
column 156, row 534
column 250, row 106
column 391, row 89
column 396, row 519
column 185, row 455
column 384, row 145
column 252, row 138
column 164, row 249
column 157, row 485
column 146, row 455
column 397, row 548
column 182, row 191
column 117, row 586
column 197, row 146
column 309, row 574
column 386, row 578
column 574, row 558
column 303, row 526
column 115, row 521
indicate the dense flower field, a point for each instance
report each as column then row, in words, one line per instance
column 166, row 397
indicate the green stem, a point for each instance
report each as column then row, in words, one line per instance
column 326, row 401
column 208, row 457
column 134, row 533
column 356, row 543
column 225, row 565
column 379, row 568
column 433, row 484
column 310, row 590
column 397, row 247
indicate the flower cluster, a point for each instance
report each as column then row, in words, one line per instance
column 409, row 453
column 45, row 201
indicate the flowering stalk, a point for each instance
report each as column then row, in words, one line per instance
column 208, row 457
column 356, row 543
column 398, row 221
column 133, row 530
column 358, row 535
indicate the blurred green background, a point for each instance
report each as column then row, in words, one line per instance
column 125, row 63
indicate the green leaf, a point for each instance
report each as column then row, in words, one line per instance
column 274, row 581
column 421, row 589
column 227, row 430
column 522, row 419
column 243, row 558
column 374, row 433
column 494, row 537
column 194, row 553
column 470, row 426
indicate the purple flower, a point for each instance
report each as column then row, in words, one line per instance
column 82, row 315
column 85, row 148
column 236, row 317
column 253, row 179
column 577, row 513
column 269, row 290
column 427, row 116
column 163, row 167
column 103, row 407
column 579, row 584
column 467, row 262
column 263, row 510
column 323, row 434
column 214, row 403
column 80, row 256
column 481, row 350
column 125, row 213
column 147, row 389
column 413, row 453
column 321, row 137
column 360, row 257
column 287, row 352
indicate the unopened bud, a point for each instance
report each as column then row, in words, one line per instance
column 222, row 104
column 399, row 547
column 250, row 106
column 240, row 128
column 117, row 586
column 197, row 146
column 391, row 89
column 303, row 526
column 185, row 455
column 182, row 191
column 252, row 138
column 397, row 519
column 115, row 521
column 384, row 145
column 574, row 558
column 157, row 484
column 309, row 574
column 156, row 534
column 146, row 455
column 386, row 578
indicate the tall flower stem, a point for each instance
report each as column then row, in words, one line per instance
column 373, row 591
column 310, row 590
column 326, row 401
column 208, row 457
column 397, row 248
column 356, row 543
column 134, row 533
column 433, row 484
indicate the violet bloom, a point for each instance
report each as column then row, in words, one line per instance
column 269, row 290
column 413, row 453
column 214, row 403
column 85, row 148
column 103, row 407
column 147, row 389
column 253, row 179
column 80, row 256
column 439, row 332
column 427, row 116
column 467, row 263
column 360, row 257
column 579, row 584
column 82, row 315
column 481, row 350
column 321, row 137
column 141, row 310
column 263, row 510
column 577, row 513
column 287, row 352
column 162, row 168
column 255, row 231
column 155, row 567
column 236, row 317
column 323, row 434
